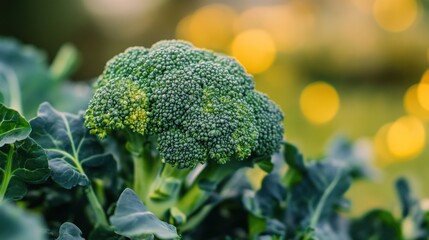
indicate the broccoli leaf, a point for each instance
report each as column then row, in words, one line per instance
column 131, row 219
column 105, row 233
column 20, row 163
column 25, row 73
column 353, row 158
column 377, row 224
column 13, row 127
column 74, row 154
column 268, row 200
column 69, row 231
column 19, row 225
column 413, row 217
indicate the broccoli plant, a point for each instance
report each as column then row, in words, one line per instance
column 177, row 126
column 195, row 106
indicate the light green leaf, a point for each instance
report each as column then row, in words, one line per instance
column 131, row 219
column 69, row 231
column 20, row 163
column 15, row 224
column 13, row 127
column 73, row 153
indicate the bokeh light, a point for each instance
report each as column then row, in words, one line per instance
column 208, row 27
column 319, row 102
column 384, row 156
column 254, row 49
column 423, row 91
column 287, row 23
column 406, row 137
column 395, row 15
column 363, row 5
column 423, row 95
column 412, row 104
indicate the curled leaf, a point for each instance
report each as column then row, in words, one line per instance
column 131, row 219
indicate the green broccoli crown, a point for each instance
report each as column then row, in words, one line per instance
column 201, row 105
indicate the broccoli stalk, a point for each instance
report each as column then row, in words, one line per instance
column 199, row 106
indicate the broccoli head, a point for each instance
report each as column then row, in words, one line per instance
column 201, row 105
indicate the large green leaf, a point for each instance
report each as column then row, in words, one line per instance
column 24, row 76
column 13, row 127
column 18, row 225
column 69, row 231
column 131, row 219
column 73, row 153
column 20, row 163
column 26, row 79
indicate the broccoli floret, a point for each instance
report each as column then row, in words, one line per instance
column 201, row 105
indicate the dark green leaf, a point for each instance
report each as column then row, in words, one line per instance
column 269, row 200
column 265, row 228
column 22, row 162
column 256, row 225
column 293, row 157
column 413, row 217
column 18, row 225
column 69, row 231
column 131, row 219
column 66, row 174
column 295, row 161
column 13, row 127
column 73, row 153
column 265, row 164
column 207, row 185
column 275, row 229
column 377, row 225
column 104, row 233
column 405, row 197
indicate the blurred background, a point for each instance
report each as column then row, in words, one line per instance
column 352, row 67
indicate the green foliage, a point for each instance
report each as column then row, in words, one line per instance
column 13, row 127
column 166, row 110
column 27, row 80
column 25, row 76
column 15, row 224
column 21, row 163
column 133, row 220
column 22, row 160
column 73, row 153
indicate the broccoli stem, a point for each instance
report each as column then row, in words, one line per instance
column 100, row 216
column 211, row 176
column 166, row 188
column 168, row 182
column 7, row 173
column 144, row 165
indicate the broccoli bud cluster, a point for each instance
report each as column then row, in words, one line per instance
column 201, row 105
